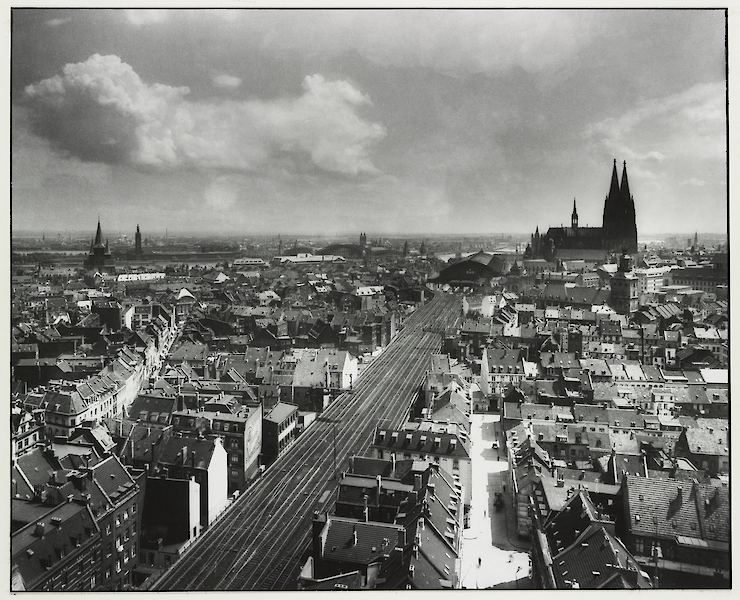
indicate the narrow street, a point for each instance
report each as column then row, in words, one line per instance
column 493, row 555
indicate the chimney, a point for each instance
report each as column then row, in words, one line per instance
column 379, row 479
column 354, row 536
column 393, row 462
column 366, row 512
column 39, row 531
column 192, row 457
column 184, row 455
column 351, row 464
column 417, row 481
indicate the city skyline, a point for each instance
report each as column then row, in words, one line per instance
column 417, row 122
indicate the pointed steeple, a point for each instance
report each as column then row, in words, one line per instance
column 99, row 235
column 614, row 189
column 574, row 216
column 612, row 206
column 625, row 187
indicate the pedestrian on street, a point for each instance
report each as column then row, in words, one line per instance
column 479, row 561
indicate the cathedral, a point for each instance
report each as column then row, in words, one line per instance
column 618, row 232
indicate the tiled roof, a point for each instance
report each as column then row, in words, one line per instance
column 112, row 477
column 203, row 449
column 709, row 441
column 280, row 412
column 36, row 466
column 421, row 441
column 564, row 527
column 667, row 508
column 34, row 553
column 598, row 560
column 353, row 541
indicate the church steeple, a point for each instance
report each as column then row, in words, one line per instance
column 98, row 236
column 574, row 216
column 612, row 206
column 614, row 188
column 625, row 187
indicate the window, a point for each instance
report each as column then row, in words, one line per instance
column 107, row 529
column 108, row 550
column 133, row 508
column 456, row 464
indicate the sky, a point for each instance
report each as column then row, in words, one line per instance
column 380, row 121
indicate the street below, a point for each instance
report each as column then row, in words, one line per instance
column 492, row 554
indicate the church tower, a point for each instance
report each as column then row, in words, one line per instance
column 630, row 220
column 624, row 296
column 100, row 257
column 137, row 242
column 574, row 217
column 619, row 227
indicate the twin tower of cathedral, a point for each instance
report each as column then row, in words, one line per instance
column 618, row 232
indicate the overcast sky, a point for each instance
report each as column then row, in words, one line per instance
column 377, row 121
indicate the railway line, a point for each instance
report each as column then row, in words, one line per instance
column 261, row 540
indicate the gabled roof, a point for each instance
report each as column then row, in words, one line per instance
column 357, row 542
column 63, row 527
column 199, row 452
column 667, row 508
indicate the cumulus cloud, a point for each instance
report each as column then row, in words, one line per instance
column 58, row 22
column 100, row 110
column 449, row 41
column 146, row 16
column 690, row 123
column 227, row 81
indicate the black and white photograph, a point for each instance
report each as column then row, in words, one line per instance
column 369, row 298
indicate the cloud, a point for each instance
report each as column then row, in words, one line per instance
column 146, row 16
column 691, row 123
column 58, row 22
column 100, row 110
column 693, row 181
column 227, row 81
column 222, row 193
column 449, row 41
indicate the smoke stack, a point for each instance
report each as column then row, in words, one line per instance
column 184, row 455
column 192, row 457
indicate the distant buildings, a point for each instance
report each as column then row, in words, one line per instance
column 618, row 232
column 99, row 258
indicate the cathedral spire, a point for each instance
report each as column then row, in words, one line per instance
column 625, row 187
column 614, row 189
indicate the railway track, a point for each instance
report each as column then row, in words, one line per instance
column 259, row 543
